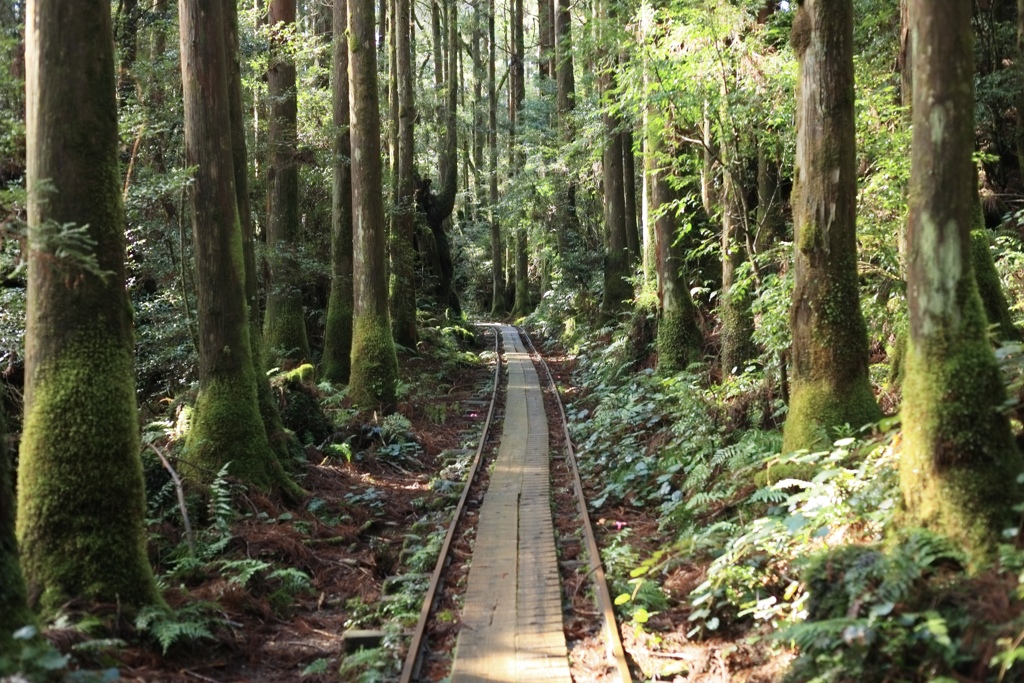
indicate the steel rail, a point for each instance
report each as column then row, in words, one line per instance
column 412, row 657
column 604, row 598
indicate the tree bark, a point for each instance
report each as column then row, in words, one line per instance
column 81, row 500
column 14, row 611
column 403, row 234
column 629, row 196
column 497, row 248
column 959, row 466
column 284, row 324
column 617, row 289
column 374, row 372
column 281, row 441
column 338, row 332
column 678, row 341
column 734, row 302
column 227, row 426
column 829, row 384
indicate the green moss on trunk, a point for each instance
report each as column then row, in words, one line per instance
column 81, row 493
column 738, row 347
column 678, row 340
column 14, row 612
column 997, row 310
column 618, row 291
column 284, row 323
column 959, row 467
column 374, row 365
column 338, row 337
column 228, row 427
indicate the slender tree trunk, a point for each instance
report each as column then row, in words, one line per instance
column 81, row 500
column 280, row 439
column 629, row 196
column 338, row 332
column 374, row 372
column 566, row 102
column 770, row 223
column 679, row 338
column 959, row 466
column 617, row 289
column 284, row 324
column 517, row 95
column 227, row 426
column 497, row 248
column 830, row 384
column 734, row 302
column 403, row 234
column 546, row 38
column 14, row 611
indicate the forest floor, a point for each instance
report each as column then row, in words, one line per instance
column 358, row 537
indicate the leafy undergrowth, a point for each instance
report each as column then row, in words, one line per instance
column 263, row 592
column 734, row 562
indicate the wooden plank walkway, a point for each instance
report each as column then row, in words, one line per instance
column 512, row 618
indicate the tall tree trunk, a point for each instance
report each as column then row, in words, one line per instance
column 679, row 338
column 374, row 374
column 629, row 196
column 338, row 332
column 14, row 611
column 282, row 441
column 830, row 384
column 566, row 102
column 959, row 466
column 735, row 300
column 284, row 324
column 517, row 95
column 227, row 426
column 617, row 289
column 546, row 38
column 403, row 233
column 497, row 248
column 81, row 500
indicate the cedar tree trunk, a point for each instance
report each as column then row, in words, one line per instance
column 830, row 384
column 227, row 426
column 338, row 332
column 284, row 325
column 81, row 499
column 374, row 373
column 959, row 466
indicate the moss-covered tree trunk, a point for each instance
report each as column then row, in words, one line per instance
column 81, row 501
column 403, row 229
column 227, row 425
column 679, row 338
column 14, row 611
column 338, row 332
column 284, row 325
column 959, row 466
column 829, row 384
column 281, row 441
column 374, row 373
column 993, row 300
column 735, row 300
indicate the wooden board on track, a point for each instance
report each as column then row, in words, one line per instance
column 512, row 618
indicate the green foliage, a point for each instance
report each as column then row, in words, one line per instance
column 195, row 621
column 35, row 660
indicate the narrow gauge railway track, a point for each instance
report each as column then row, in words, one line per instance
column 512, row 621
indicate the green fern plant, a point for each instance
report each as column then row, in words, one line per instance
column 192, row 622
